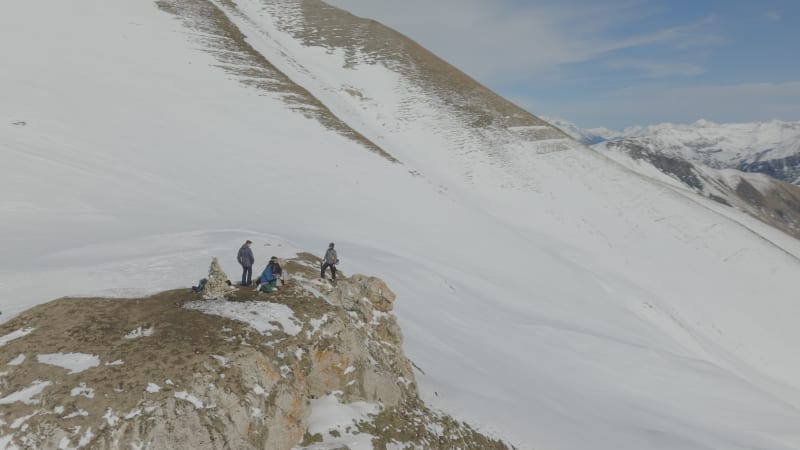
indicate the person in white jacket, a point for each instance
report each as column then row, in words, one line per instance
column 330, row 260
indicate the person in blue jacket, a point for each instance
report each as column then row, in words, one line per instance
column 270, row 275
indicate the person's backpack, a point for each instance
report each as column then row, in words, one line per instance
column 201, row 285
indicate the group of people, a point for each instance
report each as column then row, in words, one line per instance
column 268, row 280
column 271, row 274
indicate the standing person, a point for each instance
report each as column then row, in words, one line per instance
column 246, row 259
column 330, row 260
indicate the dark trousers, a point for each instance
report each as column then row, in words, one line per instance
column 325, row 266
column 247, row 273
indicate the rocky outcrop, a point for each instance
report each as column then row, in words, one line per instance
column 217, row 285
column 671, row 165
column 182, row 371
column 785, row 169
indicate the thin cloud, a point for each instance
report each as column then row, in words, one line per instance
column 660, row 102
column 684, row 36
column 658, row 69
column 773, row 16
column 496, row 41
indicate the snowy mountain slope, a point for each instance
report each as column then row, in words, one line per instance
column 588, row 136
column 725, row 145
column 772, row 148
column 767, row 199
column 668, row 149
column 462, row 116
column 550, row 295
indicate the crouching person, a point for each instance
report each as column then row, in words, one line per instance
column 270, row 276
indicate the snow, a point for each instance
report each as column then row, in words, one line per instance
column 82, row 390
column 74, row 362
column 152, row 388
column 84, row 440
column 260, row 315
column 317, row 323
column 588, row 136
column 552, row 298
column 328, row 414
column 223, row 361
column 762, row 183
column 258, row 390
column 111, row 419
column 717, row 145
column 139, row 332
column 6, row 444
column 77, row 413
column 26, row 395
column 15, row 335
column 21, row 420
column 133, row 414
column 183, row 395
column 17, row 361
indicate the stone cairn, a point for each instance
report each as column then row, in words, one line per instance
column 217, row 285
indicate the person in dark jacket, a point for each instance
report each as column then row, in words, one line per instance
column 270, row 276
column 330, row 260
column 246, row 259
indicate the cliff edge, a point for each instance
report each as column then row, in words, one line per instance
column 313, row 365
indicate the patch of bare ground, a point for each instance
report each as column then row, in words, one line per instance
column 779, row 206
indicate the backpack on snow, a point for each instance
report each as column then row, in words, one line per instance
column 201, row 285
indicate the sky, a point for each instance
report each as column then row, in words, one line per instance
column 616, row 63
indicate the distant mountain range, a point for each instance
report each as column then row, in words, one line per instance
column 768, row 199
column 772, row 148
column 714, row 161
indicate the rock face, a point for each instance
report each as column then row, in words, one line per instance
column 786, row 168
column 181, row 372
